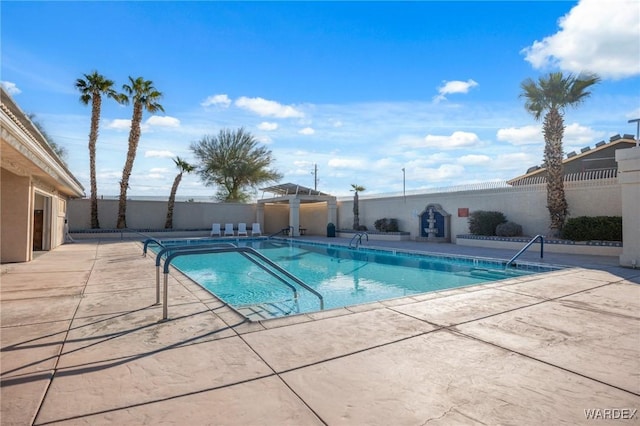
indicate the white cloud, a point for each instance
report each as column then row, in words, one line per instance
column 445, row 171
column 474, row 160
column 527, row 135
column 518, row 162
column 454, row 141
column 576, row 134
column 596, row 36
column 306, row 131
column 268, row 126
column 119, row 124
column 455, row 86
column 264, row 139
column 159, row 154
column 165, row 121
column 158, row 170
column 266, row 108
column 347, row 163
column 219, row 100
column 156, row 176
column 10, row 87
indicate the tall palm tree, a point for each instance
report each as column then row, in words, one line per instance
column 551, row 95
column 356, row 209
column 144, row 97
column 183, row 167
column 92, row 88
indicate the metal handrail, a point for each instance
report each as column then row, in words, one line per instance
column 359, row 236
column 149, row 241
column 533, row 240
column 241, row 250
column 181, row 247
column 282, row 231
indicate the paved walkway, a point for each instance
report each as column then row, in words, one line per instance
column 82, row 344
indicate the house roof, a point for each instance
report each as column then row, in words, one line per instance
column 26, row 152
column 617, row 141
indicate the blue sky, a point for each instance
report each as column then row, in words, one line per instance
column 360, row 89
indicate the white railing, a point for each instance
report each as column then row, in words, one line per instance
column 589, row 177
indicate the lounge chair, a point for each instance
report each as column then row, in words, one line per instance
column 242, row 229
column 228, row 229
column 255, row 229
column 215, row 230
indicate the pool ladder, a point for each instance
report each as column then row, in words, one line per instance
column 357, row 239
column 533, row 240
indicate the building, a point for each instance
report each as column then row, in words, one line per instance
column 35, row 186
column 591, row 163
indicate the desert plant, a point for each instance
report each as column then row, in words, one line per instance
column 386, row 225
column 485, row 222
column 509, row 229
column 599, row 228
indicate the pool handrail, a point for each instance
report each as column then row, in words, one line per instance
column 358, row 236
column 241, row 250
column 533, row 240
column 180, row 247
column 282, row 231
column 149, row 241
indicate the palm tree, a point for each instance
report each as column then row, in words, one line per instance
column 92, row 88
column 183, row 167
column 356, row 210
column 144, row 97
column 551, row 95
column 234, row 163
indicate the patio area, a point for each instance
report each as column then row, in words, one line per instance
column 82, row 343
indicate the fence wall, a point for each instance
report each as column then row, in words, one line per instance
column 523, row 204
column 153, row 214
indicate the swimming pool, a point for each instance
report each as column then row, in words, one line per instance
column 343, row 276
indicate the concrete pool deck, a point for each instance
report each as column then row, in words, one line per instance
column 82, row 343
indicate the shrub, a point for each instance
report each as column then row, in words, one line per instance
column 509, row 229
column 602, row 228
column 386, row 225
column 484, row 222
column 361, row 228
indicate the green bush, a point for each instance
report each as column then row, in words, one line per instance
column 386, row 225
column 484, row 222
column 509, row 229
column 599, row 228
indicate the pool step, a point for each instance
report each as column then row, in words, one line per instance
column 489, row 274
column 269, row 310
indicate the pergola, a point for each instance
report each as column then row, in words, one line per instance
column 295, row 195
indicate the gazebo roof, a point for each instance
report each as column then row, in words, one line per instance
column 292, row 189
column 286, row 192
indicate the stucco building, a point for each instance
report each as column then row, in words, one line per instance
column 35, row 186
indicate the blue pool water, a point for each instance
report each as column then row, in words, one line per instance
column 343, row 276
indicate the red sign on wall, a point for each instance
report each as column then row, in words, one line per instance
column 463, row 212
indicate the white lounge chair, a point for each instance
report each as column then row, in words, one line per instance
column 242, row 229
column 255, row 229
column 215, row 230
column 228, row 229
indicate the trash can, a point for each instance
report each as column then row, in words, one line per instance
column 331, row 230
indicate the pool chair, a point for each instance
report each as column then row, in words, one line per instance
column 255, row 229
column 242, row 229
column 228, row 229
column 215, row 230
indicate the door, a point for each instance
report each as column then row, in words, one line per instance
column 38, row 229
